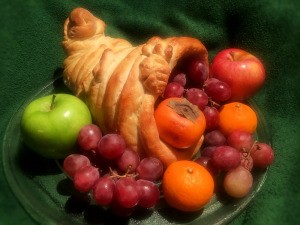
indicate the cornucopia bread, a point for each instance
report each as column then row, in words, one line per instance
column 121, row 83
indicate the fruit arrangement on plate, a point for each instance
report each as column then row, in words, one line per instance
column 150, row 122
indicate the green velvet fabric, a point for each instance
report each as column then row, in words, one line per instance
column 31, row 52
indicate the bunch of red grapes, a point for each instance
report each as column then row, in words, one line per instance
column 116, row 176
column 113, row 174
column 234, row 155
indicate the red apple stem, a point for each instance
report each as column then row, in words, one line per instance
column 233, row 56
column 52, row 102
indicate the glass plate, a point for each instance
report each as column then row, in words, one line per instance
column 47, row 194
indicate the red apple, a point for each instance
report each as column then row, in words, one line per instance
column 242, row 71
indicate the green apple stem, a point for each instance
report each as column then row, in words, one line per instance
column 52, row 102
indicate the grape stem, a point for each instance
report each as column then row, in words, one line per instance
column 254, row 147
column 213, row 103
column 246, row 157
column 246, row 154
column 114, row 174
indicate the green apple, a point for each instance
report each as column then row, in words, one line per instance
column 50, row 124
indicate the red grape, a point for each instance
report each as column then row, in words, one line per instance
column 217, row 90
column 121, row 211
column 262, row 156
column 241, row 140
column 173, row 89
column 212, row 118
column 180, row 78
column 238, row 182
column 208, row 151
column 214, row 138
column 206, row 162
column 129, row 161
column 210, row 80
column 203, row 160
column 74, row 162
column 126, row 192
column 197, row 97
column 89, row 136
column 111, row 146
column 85, row 178
column 95, row 159
column 104, row 190
column 226, row 158
column 197, row 71
column 149, row 193
column 150, row 168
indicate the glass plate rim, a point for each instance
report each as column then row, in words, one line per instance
column 34, row 213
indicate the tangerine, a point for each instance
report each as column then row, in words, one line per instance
column 187, row 186
column 237, row 116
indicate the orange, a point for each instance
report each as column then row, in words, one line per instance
column 237, row 116
column 179, row 123
column 187, row 186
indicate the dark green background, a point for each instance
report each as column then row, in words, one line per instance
column 30, row 53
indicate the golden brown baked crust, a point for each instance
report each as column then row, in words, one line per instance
column 121, row 83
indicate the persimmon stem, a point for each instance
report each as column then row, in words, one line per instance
column 185, row 108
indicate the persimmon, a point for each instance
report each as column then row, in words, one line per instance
column 180, row 123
